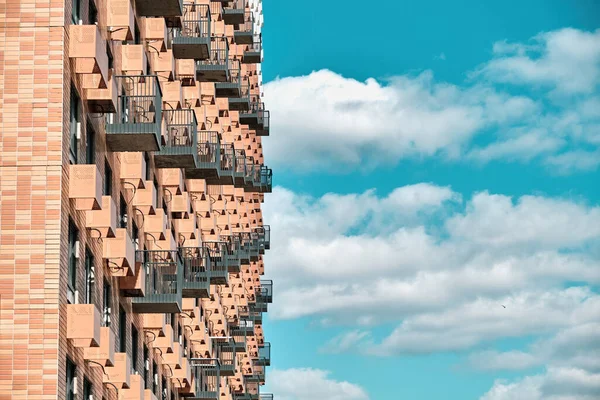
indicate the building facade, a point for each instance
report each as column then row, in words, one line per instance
column 131, row 181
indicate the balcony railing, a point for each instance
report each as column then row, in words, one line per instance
column 241, row 102
column 256, row 117
column 244, row 32
column 216, row 67
column 207, row 376
column 208, row 155
column 179, row 142
column 233, row 87
column 192, row 40
column 264, row 355
column 244, row 327
column 137, row 123
column 162, row 8
column 240, row 168
column 218, row 259
column 163, row 282
column 264, row 238
column 266, row 180
column 253, row 53
column 226, row 166
column 196, row 272
column 264, row 293
column 233, row 12
column 226, row 354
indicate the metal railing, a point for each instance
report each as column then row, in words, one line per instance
column 264, row 354
column 248, row 25
column 181, row 128
column 207, row 377
column 264, row 293
column 140, row 100
column 195, row 22
column 219, row 52
column 196, row 264
column 209, row 149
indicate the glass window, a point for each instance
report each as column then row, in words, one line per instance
column 154, row 378
column 90, row 145
column 108, row 179
column 89, row 277
column 135, row 232
column 107, row 303
column 75, row 119
column 148, row 171
column 93, row 12
column 76, row 12
column 73, row 238
column 134, row 347
column 87, row 389
column 146, row 365
column 123, row 213
column 122, row 330
column 70, row 380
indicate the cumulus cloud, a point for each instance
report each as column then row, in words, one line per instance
column 310, row 384
column 325, row 120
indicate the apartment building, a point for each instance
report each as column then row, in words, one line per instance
column 131, row 180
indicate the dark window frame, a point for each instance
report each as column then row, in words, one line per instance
column 122, row 330
column 90, row 144
column 71, row 381
column 74, row 118
column 108, row 179
column 106, row 303
column 72, row 268
column 89, row 276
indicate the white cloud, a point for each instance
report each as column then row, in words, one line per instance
column 567, row 60
column 325, row 120
column 310, row 384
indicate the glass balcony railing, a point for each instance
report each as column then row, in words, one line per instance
column 196, row 272
column 192, row 40
column 266, row 396
column 264, row 293
column 137, row 123
column 216, row 67
column 264, row 355
column 207, row 378
column 163, row 282
column 179, row 147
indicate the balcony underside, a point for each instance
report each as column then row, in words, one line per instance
column 224, row 178
column 264, row 131
column 176, row 157
column 133, row 137
column 191, row 48
column 251, row 57
column 244, row 37
column 157, row 304
column 239, row 104
column 227, row 370
column 233, row 17
column 196, row 290
column 250, row 119
column 203, row 171
column 159, row 8
column 219, row 277
column 212, row 72
column 200, row 395
column 227, row 89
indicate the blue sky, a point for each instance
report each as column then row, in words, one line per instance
column 434, row 161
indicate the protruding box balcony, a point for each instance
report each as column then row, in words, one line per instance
column 120, row 18
column 179, row 143
column 154, row 323
column 241, row 102
column 233, row 86
column 137, row 124
column 233, row 12
column 163, row 65
column 162, row 8
column 218, row 261
column 164, row 282
column 182, row 378
column 244, row 32
column 253, row 53
column 171, row 178
column 266, row 179
column 165, row 342
column 264, row 234
column 83, row 325
column 216, row 67
column 135, row 391
column 208, row 159
column 226, row 354
column 185, row 71
column 104, row 355
column 156, row 225
column 88, row 48
column 85, row 186
column 264, row 293
column 155, row 30
column 134, row 60
column 119, row 374
column 192, row 40
column 207, row 378
column 133, row 170
column 102, row 101
column 264, row 355
column 256, row 117
column 239, row 176
column 103, row 222
column 244, row 327
column 134, row 286
column 196, row 272
column 119, row 253
column 172, row 95
column 173, row 358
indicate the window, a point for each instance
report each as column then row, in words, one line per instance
column 138, row 37
column 122, row 330
column 148, row 170
column 71, row 381
column 89, row 277
column 72, row 282
column 157, row 202
column 108, row 179
column 134, row 347
column 90, row 145
column 154, row 378
column 75, row 123
column 87, row 389
column 76, row 12
column 164, row 388
column 146, row 365
column 93, row 12
column 135, row 232
column 106, row 303
column 123, row 213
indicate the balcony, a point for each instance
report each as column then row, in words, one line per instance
column 264, row 355
column 104, row 355
column 217, row 252
column 233, row 13
column 244, row 32
column 102, row 101
column 119, row 253
column 137, row 124
column 88, row 48
column 208, row 149
column 103, row 222
column 164, row 282
column 264, row 293
column 83, row 325
column 192, row 40
column 162, row 8
column 135, row 391
column 232, row 87
column 216, row 67
column 207, row 378
column 253, row 53
column 85, row 186
column 244, row 328
column 121, row 18
column 264, row 234
column 133, row 171
column 256, row 117
column 241, row 102
column 119, row 374
column 196, row 272
column 179, row 143
column 226, row 354
column 266, row 180
column 239, row 175
column 134, row 286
